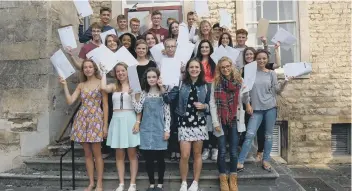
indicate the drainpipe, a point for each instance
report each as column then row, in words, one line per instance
column 85, row 23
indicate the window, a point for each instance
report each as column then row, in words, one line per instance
column 281, row 13
column 341, row 139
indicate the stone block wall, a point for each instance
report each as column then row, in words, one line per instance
column 316, row 103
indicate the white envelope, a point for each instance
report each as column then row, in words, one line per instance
column 61, row 64
column 83, row 7
column 156, row 52
column 123, row 55
column 170, row 71
column 286, row 39
column 183, row 33
column 106, row 33
column 104, row 56
column 225, row 18
column 250, row 73
column 67, row 37
column 184, row 52
column 201, row 8
column 133, row 79
column 297, row 69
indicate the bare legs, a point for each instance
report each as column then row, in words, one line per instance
column 120, row 164
column 132, row 156
column 185, row 147
column 91, row 149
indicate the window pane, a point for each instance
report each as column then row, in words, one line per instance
column 270, row 10
column 166, row 14
column 271, row 32
column 287, row 56
column 252, row 33
column 252, row 10
column 287, row 10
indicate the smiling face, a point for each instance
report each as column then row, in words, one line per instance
column 170, row 47
column 225, row 41
column 122, row 24
column 152, row 78
column 194, row 69
column 111, row 43
column 96, row 34
column 205, row 49
column 241, row 39
column 135, row 27
column 225, row 68
column 174, row 29
column 88, row 69
column 121, row 73
column 205, row 28
column 105, row 17
column 150, row 40
column 126, row 41
column 262, row 59
column 191, row 19
column 249, row 56
column 156, row 20
column 141, row 50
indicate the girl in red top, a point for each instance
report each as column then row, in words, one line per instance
column 205, row 49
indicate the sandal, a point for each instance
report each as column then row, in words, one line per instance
column 266, row 166
column 240, row 169
column 89, row 188
column 259, row 157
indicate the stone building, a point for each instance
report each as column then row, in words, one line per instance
column 33, row 110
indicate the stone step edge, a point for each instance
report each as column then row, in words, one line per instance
column 113, row 176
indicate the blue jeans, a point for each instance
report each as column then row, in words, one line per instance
column 254, row 121
column 230, row 135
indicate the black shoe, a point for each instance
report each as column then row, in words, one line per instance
column 240, row 169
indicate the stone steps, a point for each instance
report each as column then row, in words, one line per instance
column 209, row 178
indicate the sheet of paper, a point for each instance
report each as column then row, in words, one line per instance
column 240, row 61
column 201, row 8
column 123, row 55
column 250, row 73
column 225, row 18
column 286, row 39
column 83, row 7
column 156, row 52
column 104, row 56
column 233, row 54
column 133, row 79
column 62, row 66
column 184, row 52
column 192, row 32
column 263, row 25
column 183, row 33
column 106, row 33
column 218, row 54
column 297, row 69
column 67, row 37
column 147, row 24
column 170, row 71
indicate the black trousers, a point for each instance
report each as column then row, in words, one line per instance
column 150, row 156
column 212, row 141
column 104, row 148
column 174, row 145
column 260, row 134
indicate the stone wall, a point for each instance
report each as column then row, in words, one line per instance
column 316, row 103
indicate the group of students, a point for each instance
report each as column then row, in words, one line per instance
column 203, row 111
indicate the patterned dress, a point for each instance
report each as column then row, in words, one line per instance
column 88, row 123
column 192, row 127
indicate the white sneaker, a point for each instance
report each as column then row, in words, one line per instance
column 194, row 186
column 214, row 154
column 205, row 154
column 183, row 186
column 120, row 188
column 132, row 187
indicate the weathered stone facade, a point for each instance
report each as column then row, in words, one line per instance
column 32, row 106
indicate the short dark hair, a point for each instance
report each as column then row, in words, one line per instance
column 191, row 13
column 121, row 17
column 145, row 85
column 216, row 25
column 242, row 31
column 156, row 12
column 261, row 51
column 187, row 79
column 105, row 9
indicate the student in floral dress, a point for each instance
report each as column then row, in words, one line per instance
column 90, row 123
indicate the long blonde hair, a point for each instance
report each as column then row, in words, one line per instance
column 83, row 77
column 235, row 74
column 201, row 35
column 118, row 83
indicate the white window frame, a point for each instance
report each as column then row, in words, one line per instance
column 296, row 54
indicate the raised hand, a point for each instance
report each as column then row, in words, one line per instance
column 263, row 39
column 62, row 81
column 277, row 45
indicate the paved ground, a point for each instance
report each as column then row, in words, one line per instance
column 292, row 178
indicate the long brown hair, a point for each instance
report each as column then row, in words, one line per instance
column 201, row 36
column 235, row 74
column 96, row 70
column 118, row 83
